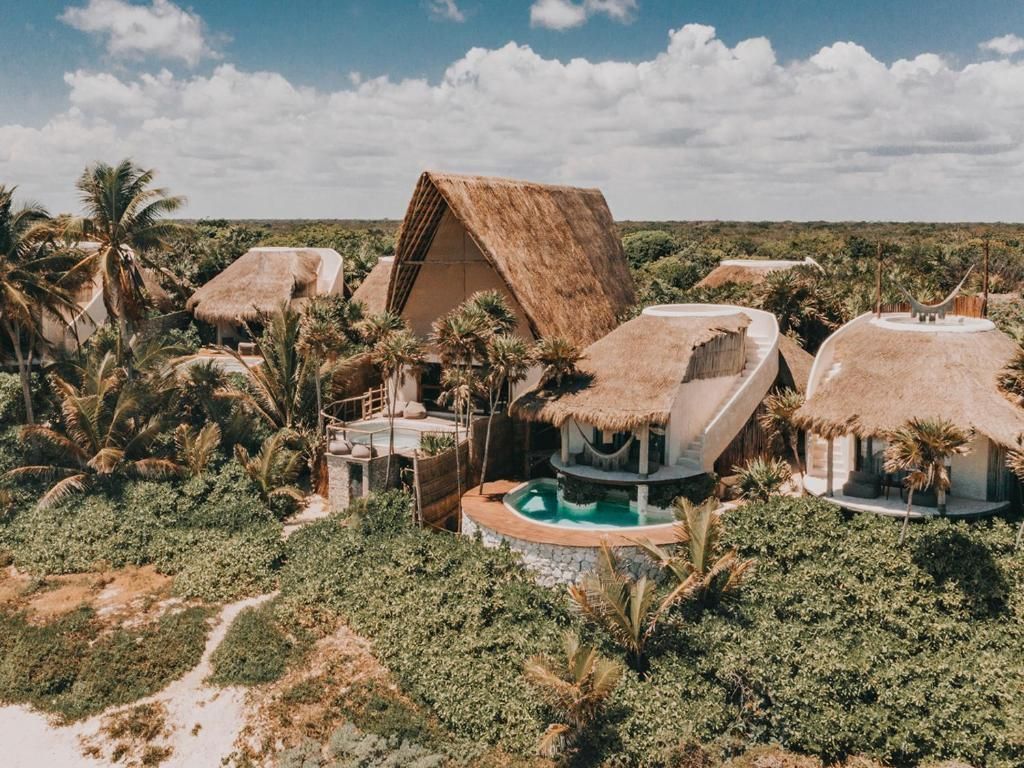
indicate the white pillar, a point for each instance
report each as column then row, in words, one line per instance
column 641, row 502
column 644, row 437
column 830, row 469
column 565, row 444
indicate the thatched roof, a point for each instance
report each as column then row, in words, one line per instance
column 373, row 291
column 555, row 248
column 630, row 377
column 259, row 281
column 744, row 271
column 795, row 363
column 886, row 377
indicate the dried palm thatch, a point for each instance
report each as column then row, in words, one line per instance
column 631, row 377
column 886, row 377
column 554, row 247
column 744, row 271
column 372, row 293
column 795, row 363
column 258, row 282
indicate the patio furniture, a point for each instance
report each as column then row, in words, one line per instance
column 414, row 410
column 863, row 485
column 247, row 348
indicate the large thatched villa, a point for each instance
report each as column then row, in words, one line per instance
column 260, row 281
column 874, row 374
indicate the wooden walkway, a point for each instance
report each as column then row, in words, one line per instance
column 489, row 511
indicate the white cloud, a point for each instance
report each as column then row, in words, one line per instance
column 702, row 130
column 1007, row 45
column 565, row 14
column 446, row 10
column 161, row 29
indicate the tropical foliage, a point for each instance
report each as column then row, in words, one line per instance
column 761, row 477
column 275, row 468
column 777, row 418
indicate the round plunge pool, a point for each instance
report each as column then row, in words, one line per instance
column 540, row 501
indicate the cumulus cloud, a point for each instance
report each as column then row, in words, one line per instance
column 565, row 14
column 446, row 10
column 160, row 29
column 701, row 130
column 1007, row 45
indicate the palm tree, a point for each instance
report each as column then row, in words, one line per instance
column 321, row 338
column 558, row 358
column 697, row 568
column 576, row 687
column 395, row 355
column 921, row 448
column 280, row 386
column 1015, row 462
column 624, row 607
column 459, row 335
column 499, row 317
column 778, row 420
column 104, row 429
column 275, row 468
column 195, row 450
column 375, row 327
column 506, row 363
column 31, row 268
column 126, row 215
column 458, row 387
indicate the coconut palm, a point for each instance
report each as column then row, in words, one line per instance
column 499, row 317
column 281, row 385
column 624, row 607
column 558, row 358
column 374, row 328
column 458, row 387
column 195, row 450
column 321, row 339
column 696, row 565
column 460, row 335
column 506, row 363
column 778, row 420
column 1015, row 462
column 576, row 687
column 395, row 355
column 275, row 468
column 31, row 269
column 104, row 429
column 921, row 448
column 126, row 215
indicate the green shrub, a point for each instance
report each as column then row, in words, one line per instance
column 761, row 478
column 435, row 443
column 220, row 567
column 69, row 667
column 12, row 405
column 648, row 246
column 348, row 747
column 255, row 649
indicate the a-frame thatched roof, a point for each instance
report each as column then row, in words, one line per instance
column 883, row 377
column 554, row 247
column 257, row 282
column 745, row 271
column 632, row 376
column 372, row 293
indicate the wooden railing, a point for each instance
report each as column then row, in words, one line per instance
column 355, row 408
column 963, row 306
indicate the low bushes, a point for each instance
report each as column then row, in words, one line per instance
column 72, row 667
column 256, row 649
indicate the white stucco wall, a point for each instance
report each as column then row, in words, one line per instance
column 695, row 404
column 969, row 473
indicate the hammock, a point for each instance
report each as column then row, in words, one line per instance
column 606, row 456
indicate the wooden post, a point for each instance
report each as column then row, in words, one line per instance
column 418, row 490
column 878, row 284
column 984, row 301
column 830, row 469
column 565, row 444
column 645, row 446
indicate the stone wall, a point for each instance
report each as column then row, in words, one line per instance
column 555, row 564
column 340, row 490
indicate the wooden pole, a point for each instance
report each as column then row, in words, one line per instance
column 830, row 469
column 878, row 284
column 984, row 301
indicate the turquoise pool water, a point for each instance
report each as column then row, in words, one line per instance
column 539, row 501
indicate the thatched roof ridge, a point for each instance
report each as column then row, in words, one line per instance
column 631, row 377
column 795, row 361
column 372, row 293
column 886, row 377
column 554, row 247
column 258, row 281
column 745, row 271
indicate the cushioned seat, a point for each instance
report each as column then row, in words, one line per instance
column 863, row 485
column 414, row 410
column 360, row 451
column 339, row 447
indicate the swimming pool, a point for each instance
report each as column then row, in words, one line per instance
column 407, row 438
column 539, row 500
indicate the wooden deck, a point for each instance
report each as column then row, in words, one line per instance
column 489, row 511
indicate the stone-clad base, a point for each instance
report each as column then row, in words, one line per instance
column 555, row 564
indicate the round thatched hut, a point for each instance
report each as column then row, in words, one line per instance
column 875, row 373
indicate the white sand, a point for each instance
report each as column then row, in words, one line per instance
column 29, row 740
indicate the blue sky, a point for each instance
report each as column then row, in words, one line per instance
column 79, row 81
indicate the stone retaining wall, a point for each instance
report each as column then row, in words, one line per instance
column 555, row 564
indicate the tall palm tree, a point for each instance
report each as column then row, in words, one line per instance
column 576, row 687
column 696, row 565
column 777, row 419
column 31, row 268
column 921, row 448
column 395, row 355
column 321, row 339
column 558, row 358
column 498, row 315
column 506, row 362
column 104, row 429
column 458, row 386
column 375, row 327
column 459, row 336
column 624, row 607
column 126, row 215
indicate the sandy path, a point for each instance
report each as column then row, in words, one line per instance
column 30, row 740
